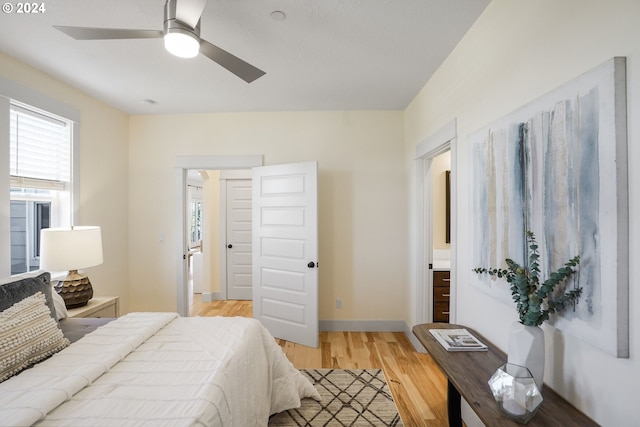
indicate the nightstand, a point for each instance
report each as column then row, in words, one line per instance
column 97, row 307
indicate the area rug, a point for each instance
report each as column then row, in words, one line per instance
column 350, row 397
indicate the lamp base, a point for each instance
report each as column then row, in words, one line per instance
column 75, row 289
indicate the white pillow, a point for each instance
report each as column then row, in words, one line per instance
column 29, row 335
column 58, row 304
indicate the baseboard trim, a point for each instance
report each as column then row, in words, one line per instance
column 211, row 296
column 362, row 326
column 416, row 343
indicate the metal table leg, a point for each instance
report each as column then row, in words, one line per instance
column 453, row 406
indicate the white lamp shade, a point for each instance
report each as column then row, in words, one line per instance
column 70, row 248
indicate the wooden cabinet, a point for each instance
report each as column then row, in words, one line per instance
column 97, row 307
column 441, row 296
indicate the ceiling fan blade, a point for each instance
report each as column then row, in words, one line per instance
column 189, row 11
column 90, row 33
column 237, row 66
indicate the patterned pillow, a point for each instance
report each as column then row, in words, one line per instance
column 16, row 288
column 28, row 335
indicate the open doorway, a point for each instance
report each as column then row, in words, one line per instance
column 198, row 163
column 195, row 230
column 434, row 156
column 220, row 267
column 441, row 237
column 284, row 203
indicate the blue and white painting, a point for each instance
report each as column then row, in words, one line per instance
column 557, row 167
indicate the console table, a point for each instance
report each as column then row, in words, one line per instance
column 467, row 374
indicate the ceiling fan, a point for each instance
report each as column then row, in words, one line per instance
column 181, row 37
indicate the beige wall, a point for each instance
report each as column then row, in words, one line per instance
column 439, row 167
column 516, row 52
column 104, row 172
column 362, row 210
column 211, row 225
column 128, row 187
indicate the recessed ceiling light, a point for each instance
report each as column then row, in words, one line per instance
column 278, row 15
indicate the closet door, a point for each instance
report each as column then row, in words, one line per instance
column 238, row 242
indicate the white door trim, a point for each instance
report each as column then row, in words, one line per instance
column 182, row 165
column 439, row 142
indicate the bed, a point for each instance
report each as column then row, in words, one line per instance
column 143, row 369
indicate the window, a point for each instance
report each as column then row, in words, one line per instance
column 196, row 223
column 40, row 159
column 195, row 215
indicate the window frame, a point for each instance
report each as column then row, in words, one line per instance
column 13, row 91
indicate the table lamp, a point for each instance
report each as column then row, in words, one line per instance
column 71, row 249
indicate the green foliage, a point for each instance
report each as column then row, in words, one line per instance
column 534, row 300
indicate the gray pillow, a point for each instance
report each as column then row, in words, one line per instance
column 25, row 286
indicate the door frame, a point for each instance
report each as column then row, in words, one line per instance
column 182, row 165
column 441, row 141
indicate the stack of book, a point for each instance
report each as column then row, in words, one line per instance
column 457, row 340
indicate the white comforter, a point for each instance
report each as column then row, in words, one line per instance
column 155, row 369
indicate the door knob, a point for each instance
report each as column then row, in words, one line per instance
column 311, row 264
column 229, row 245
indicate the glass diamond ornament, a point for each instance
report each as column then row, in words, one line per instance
column 515, row 392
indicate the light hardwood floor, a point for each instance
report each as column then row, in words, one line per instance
column 418, row 387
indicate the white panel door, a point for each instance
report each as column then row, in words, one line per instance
column 239, row 286
column 285, row 251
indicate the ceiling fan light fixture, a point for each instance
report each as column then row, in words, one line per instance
column 181, row 34
column 181, row 43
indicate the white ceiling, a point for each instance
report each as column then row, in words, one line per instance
column 326, row 54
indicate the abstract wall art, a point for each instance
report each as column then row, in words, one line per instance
column 558, row 167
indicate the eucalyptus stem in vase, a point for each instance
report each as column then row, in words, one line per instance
column 534, row 300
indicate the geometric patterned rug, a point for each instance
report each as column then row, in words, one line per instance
column 350, row 397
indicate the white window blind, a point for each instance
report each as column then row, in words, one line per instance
column 40, row 149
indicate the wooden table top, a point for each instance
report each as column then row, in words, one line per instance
column 469, row 372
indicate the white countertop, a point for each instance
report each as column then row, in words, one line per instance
column 441, row 265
